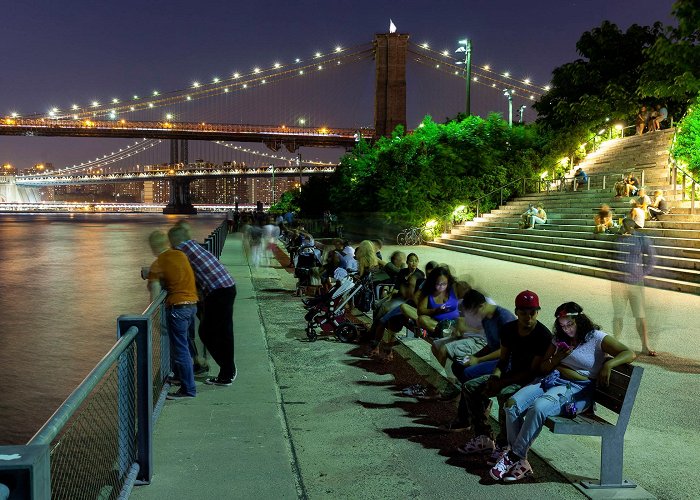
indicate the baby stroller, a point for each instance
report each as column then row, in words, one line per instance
column 306, row 261
column 329, row 312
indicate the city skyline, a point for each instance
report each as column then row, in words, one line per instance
column 80, row 52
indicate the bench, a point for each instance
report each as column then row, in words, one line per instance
column 618, row 397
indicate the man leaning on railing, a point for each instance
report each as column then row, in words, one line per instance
column 171, row 270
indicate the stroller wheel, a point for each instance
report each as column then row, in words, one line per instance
column 346, row 332
column 311, row 334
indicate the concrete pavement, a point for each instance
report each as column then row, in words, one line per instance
column 291, row 425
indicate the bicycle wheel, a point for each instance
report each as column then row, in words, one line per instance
column 401, row 238
column 411, row 238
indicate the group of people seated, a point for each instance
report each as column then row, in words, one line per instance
column 628, row 186
column 650, row 120
column 494, row 351
column 642, row 208
column 535, row 214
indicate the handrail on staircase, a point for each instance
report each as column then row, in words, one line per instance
column 674, row 171
column 543, row 185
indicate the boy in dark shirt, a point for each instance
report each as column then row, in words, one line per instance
column 523, row 343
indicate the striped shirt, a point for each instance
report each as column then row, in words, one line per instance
column 208, row 271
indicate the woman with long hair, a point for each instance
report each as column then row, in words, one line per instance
column 576, row 361
column 439, row 300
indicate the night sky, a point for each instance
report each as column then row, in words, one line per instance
column 57, row 53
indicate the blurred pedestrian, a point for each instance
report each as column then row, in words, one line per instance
column 637, row 261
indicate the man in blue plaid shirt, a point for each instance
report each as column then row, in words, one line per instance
column 219, row 291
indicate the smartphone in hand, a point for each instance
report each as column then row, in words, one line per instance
column 563, row 346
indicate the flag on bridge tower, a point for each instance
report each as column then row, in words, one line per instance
column 392, row 26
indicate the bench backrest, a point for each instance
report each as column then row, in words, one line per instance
column 619, row 395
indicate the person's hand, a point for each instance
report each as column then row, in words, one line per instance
column 604, row 375
column 471, row 361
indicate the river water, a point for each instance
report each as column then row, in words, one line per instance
column 64, row 279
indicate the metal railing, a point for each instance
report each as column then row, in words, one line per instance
column 687, row 180
column 525, row 185
column 99, row 442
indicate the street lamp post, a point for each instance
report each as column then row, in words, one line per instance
column 466, row 47
column 509, row 94
column 521, row 110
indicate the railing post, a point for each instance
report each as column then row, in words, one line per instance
column 603, row 183
column 477, row 209
column 675, row 178
column 501, row 190
column 692, row 199
column 26, row 471
column 144, row 393
column 524, row 188
column 589, row 184
column 643, row 177
column 683, row 187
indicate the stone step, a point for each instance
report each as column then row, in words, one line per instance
column 608, row 250
column 657, row 282
column 554, row 226
column 582, row 232
column 558, row 219
column 597, row 241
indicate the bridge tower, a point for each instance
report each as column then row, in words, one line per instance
column 390, row 82
column 180, row 200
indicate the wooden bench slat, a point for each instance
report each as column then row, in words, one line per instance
column 588, row 425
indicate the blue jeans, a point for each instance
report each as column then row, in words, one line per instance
column 179, row 321
column 464, row 373
column 533, row 404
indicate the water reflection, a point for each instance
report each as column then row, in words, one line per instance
column 64, row 278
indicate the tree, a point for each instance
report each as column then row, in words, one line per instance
column 596, row 90
column 671, row 72
column 427, row 173
column 686, row 148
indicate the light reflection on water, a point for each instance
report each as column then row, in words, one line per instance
column 64, row 279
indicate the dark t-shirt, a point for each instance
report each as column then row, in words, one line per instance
column 523, row 349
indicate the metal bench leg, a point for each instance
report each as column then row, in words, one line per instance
column 611, row 458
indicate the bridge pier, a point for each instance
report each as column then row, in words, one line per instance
column 180, row 200
column 390, row 82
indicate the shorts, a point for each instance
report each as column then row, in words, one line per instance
column 624, row 292
column 460, row 347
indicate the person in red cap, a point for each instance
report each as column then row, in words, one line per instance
column 523, row 345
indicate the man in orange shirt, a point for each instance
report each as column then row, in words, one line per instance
column 172, row 271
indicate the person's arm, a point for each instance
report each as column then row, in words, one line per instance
column 495, row 383
column 620, row 353
column 423, row 309
column 154, row 288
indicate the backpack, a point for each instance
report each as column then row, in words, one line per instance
column 364, row 300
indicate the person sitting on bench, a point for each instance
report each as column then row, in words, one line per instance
column 575, row 361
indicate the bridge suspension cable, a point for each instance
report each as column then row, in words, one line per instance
column 237, row 82
column 111, row 158
column 481, row 75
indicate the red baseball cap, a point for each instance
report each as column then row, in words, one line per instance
column 527, row 299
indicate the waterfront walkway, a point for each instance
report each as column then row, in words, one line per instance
column 316, row 421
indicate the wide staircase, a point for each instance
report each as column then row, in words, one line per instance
column 567, row 241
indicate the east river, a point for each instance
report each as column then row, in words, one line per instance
column 64, row 279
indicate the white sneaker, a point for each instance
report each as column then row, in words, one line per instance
column 477, row 444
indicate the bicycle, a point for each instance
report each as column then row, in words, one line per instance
column 411, row 236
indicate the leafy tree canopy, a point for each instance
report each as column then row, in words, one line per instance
column 686, row 148
column 429, row 172
column 671, row 72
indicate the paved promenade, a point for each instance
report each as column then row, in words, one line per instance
column 317, row 421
